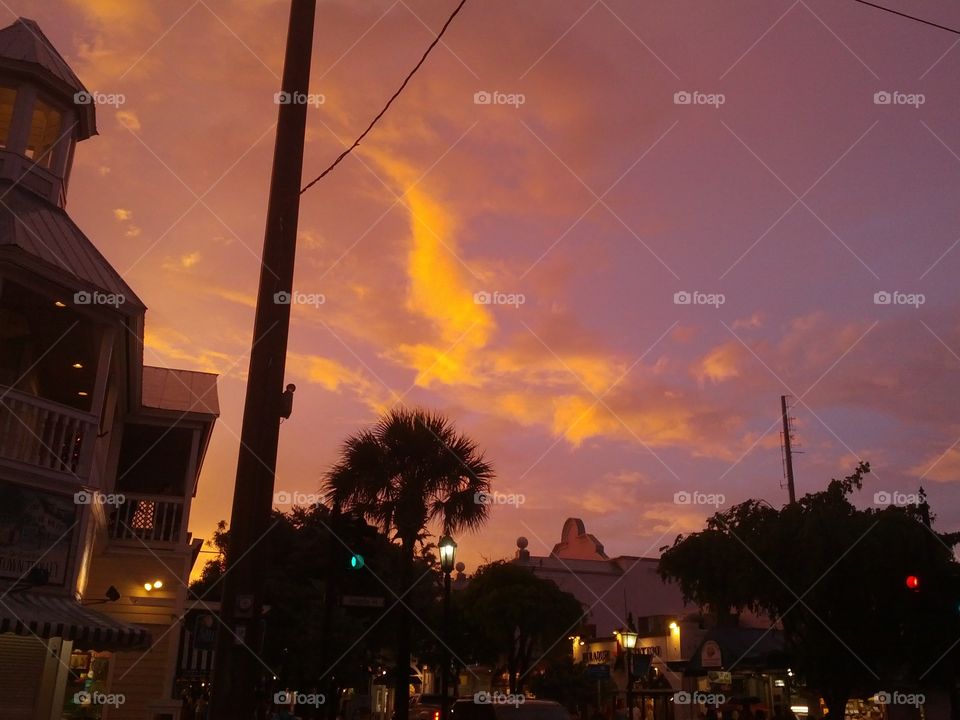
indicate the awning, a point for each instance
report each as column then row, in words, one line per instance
column 47, row 616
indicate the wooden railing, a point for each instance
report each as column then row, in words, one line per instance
column 147, row 518
column 45, row 434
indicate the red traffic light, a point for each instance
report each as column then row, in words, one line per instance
column 913, row 582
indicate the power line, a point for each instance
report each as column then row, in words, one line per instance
column 386, row 107
column 909, row 17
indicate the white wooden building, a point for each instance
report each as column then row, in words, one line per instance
column 99, row 454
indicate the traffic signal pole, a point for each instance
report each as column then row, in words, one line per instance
column 240, row 673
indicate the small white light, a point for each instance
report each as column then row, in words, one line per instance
column 148, row 586
column 157, row 584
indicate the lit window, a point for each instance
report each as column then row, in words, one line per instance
column 7, row 98
column 44, row 132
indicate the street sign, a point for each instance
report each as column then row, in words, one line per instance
column 367, row 601
column 598, row 672
column 720, row 677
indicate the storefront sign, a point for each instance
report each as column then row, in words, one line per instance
column 720, row 677
column 710, row 655
column 36, row 530
column 602, row 652
column 598, row 657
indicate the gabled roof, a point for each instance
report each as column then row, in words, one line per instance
column 24, row 47
column 48, row 235
column 180, row 390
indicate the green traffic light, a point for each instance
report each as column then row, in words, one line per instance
column 356, row 561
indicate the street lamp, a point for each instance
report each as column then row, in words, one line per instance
column 628, row 638
column 448, row 555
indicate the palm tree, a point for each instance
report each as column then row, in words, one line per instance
column 410, row 470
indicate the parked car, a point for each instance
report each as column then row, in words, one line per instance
column 425, row 707
column 471, row 709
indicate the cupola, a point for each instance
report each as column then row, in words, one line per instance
column 44, row 111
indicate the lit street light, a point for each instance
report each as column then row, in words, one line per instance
column 448, row 555
column 628, row 638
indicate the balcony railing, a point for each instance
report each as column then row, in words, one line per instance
column 147, row 519
column 45, row 434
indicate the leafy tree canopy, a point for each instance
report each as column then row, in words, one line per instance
column 834, row 578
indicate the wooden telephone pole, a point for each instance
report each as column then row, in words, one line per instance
column 241, row 676
column 787, row 450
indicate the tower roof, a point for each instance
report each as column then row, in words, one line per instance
column 46, row 234
column 25, row 50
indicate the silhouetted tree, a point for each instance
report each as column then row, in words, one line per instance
column 834, row 577
column 412, row 468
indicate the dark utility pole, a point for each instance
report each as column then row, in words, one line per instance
column 445, row 668
column 241, row 675
column 787, row 451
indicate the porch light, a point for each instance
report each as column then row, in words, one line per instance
column 78, row 366
column 673, row 626
column 155, row 585
column 83, row 393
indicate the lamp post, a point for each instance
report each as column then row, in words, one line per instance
column 629, row 640
column 448, row 555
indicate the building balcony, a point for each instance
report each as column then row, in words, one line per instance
column 45, row 434
column 148, row 519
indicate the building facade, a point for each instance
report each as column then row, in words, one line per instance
column 99, row 453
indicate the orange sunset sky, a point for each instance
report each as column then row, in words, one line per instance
column 597, row 195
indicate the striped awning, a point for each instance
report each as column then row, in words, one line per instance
column 47, row 616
